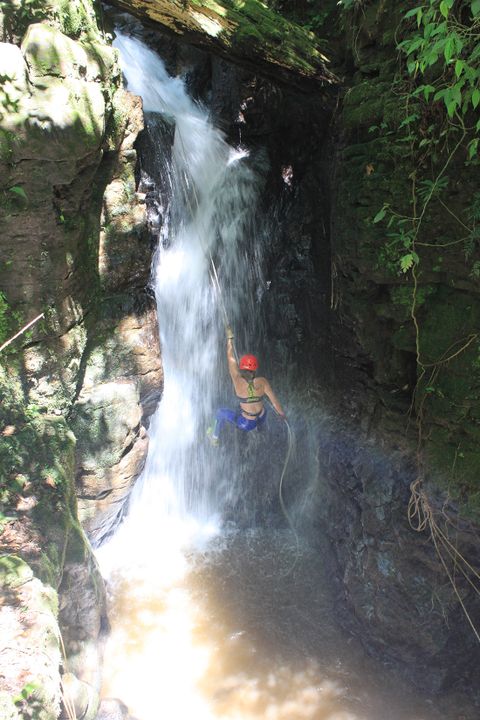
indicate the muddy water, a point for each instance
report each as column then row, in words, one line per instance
column 241, row 630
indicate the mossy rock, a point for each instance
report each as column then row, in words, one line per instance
column 56, row 89
column 246, row 31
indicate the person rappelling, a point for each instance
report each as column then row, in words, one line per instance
column 250, row 391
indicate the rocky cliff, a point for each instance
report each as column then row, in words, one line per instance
column 78, row 387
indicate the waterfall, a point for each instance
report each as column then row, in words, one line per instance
column 209, row 217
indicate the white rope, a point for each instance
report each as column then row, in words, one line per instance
column 206, row 250
column 291, row 441
column 20, row 332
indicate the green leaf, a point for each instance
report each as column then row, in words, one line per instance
column 475, row 7
column 475, row 97
column 380, row 214
column 444, row 8
column 473, row 148
column 18, row 191
column 475, row 52
column 412, row 45
column 449, row 49
column 458, row 43
column 408, row 120
column 406, row 262
column 440, row 94
column 414, row 11
column 441, row 29
column 428, row 30
column 459, row 65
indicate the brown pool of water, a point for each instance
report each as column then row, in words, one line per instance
column 244, row 630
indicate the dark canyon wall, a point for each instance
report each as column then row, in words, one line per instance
column 403, row 407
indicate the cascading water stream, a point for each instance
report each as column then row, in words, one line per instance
column 220, row 628
column 210, row 211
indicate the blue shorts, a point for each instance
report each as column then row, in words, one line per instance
column 235, row 417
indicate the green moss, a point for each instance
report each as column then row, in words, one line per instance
column 453, row 461
column 367, row 104
column 14, row 571
column 447, row 323
column 76, row 19
column 250, row 28
column 45, row 480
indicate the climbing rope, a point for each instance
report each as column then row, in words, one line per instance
column 290, row 445
column 20, row 332
column 206, row 250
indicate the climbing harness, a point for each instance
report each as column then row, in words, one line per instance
column 253, row 415
column 252, row 398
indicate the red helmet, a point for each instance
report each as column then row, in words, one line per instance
column 248, row 362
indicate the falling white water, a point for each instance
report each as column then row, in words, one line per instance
column 210, row 214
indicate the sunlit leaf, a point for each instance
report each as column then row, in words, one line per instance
column 406, row 262
column 380, row 214
column 18, row 191
column 472, row 148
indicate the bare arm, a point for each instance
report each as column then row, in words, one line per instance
column 232, row 363
column 273, row 398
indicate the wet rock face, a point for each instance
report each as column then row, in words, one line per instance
column 395, row 593
column 53, row 612
column 29, row 638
